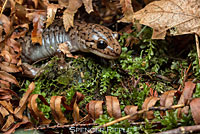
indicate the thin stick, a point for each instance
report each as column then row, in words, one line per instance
column 182, row 130
column 131, row 115
column 4, row 5
column 197, row 46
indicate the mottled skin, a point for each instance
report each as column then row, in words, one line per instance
column 85, row 37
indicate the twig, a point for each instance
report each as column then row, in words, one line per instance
column 197, row 46
column 182, row 130
column 131, row 115
column 4, row 5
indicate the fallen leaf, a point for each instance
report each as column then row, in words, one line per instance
column 19, row 1
column 7, row 105
column 10, row 120
column 95, row 109
column 51, row 12
column 195, row 105
column 6, row 24
column 68, row 15
column 63, row 47
column 187, row 92
column 113, row 107
column 20, row 31
column 127, row 10
column 7, row 56
column 88, row 5
column 55, row 105
column 8, row 77
column 75, row 114
column 11, row 68
column 182, row 15
column 22, row 104
column 35, row 112
column 131, row 109
column 149, row 102
column 38, row 24
column 4, row 84
column 14, row 127
column 3, row 112
column 186, row 96
column 78, row 97
column 7, row 91
column 167, row 98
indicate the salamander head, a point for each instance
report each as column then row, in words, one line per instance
column 100, row 40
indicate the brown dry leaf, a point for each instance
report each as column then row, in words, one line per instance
column 75, row 114
column 95, row 109
column 7, row 106
column 78, row 97
column 6, row 24
column 68, row 15
column 22, row 104
column 19, row 1
column 149, row 102
column 187, row 92
column 5, row 96
column 38, row 24
column 51, row 12
column 14, row 127
column 7, row 56
column 35, row 112
column 8, row 77
column 113, row 107
column 167, row 98
column 35, row 3
column 24, row 28
column 131, row 109
column 4, row 84
column 63, row 47
column 10, row 120
column 15, row 46
column 7, row 92
column 127, row 9
column 88, row 5
column 195, row 109
column 55, row 105
column 11, row 68
column 3, row 112
column 182, row 15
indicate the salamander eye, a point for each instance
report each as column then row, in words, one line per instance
column 116, row 35
column 101, row 44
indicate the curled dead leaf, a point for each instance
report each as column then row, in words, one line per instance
column 8, row 77
column 75, row 113
column 10, row 120
column 195, row 105
column 55, row 105
column 22, row 104
column 113, row 107
column 149, row 102
column 167, row 98
column 6, row 24
column 35, row 112
column 131, row 109
column 187, row 92
column 11, row 68
column 95, row 109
